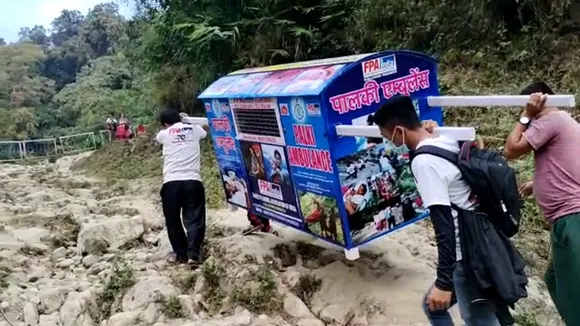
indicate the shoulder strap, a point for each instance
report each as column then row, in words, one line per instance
column 436, row 151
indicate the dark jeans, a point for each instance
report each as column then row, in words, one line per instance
column 563, row 274
column 184, row 198
column 473, row 314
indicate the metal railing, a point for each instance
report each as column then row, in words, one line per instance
column 12, row 150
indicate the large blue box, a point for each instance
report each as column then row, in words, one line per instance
column 273, row 130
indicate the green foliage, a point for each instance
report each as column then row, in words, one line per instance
column 212, row 292
column 260, row 295
column 18, row 123
column 20, row 84
column 105, row 85
column 122, row 279
column 172, row 308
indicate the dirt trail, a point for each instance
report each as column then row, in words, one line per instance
column 76, row 252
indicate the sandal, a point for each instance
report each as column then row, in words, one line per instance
column 172, row 259
column 252, row 230
column 193, row 264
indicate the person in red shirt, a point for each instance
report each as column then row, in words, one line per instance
column 120, row 132
column 140, row 130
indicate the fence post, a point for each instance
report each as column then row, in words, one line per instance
column 21, row 149
column 94, row 142
column 55, row 147
column 61, row 145
column 102, row 139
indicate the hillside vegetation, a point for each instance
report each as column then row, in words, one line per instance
column 72, row 76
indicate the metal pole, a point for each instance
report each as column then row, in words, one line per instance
column 21, row 149
column 94, row 142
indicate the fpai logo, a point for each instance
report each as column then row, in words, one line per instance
column 379, row 67
column 217, row 108
column 270, row 189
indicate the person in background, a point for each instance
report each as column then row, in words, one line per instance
column 120, row 132
column 123, row 120
column 257, row 223
column 182, row 193
column 554, row 137
column 111, row 125
column 140, row 130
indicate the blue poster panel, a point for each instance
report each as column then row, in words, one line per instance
column 227, row 151
column 377, row 188
column 262, row 147
column 311, row 166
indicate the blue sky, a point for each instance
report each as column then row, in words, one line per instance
column 27, row 13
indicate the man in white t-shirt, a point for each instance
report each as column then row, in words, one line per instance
column 182, row 192
column 440, row 185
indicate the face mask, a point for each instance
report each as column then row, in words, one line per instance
column 403, row 146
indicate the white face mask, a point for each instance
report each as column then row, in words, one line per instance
column 403, row 147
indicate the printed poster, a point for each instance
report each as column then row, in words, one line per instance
column 311, row 167
column 265, row 160
column 226, row 147
column 269, row 183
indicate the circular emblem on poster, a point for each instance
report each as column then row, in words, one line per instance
column 217, row 108
column 298, row 110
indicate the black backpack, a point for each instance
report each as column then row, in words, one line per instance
column 491, row 180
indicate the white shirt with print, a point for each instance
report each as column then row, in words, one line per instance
column 181, row 151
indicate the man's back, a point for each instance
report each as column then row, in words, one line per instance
column 181, row 151
column 555, row 139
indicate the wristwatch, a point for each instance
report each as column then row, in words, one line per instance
column 525, row 121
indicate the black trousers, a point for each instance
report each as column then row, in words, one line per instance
column 184, row 198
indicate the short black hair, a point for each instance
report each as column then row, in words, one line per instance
column 398, row 110
column 537, row 87
column 169, row 116
column 370, row 120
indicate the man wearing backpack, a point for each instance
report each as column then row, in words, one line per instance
column 554, row 137
column 449, row 198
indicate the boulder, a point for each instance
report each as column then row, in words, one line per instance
column 51, row 299
column 76, row 311
column 97, row 238
column 30, row 312
column 148, row 290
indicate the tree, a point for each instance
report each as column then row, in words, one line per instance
column 37, row 35
column 20, row 84
column 2, row 42
column 18, row 123
column 103, row 29
column 66, row 26
column 104, row 85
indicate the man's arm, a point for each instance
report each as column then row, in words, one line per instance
column 160, row 136
column 201, row 131
column 516, row 145
column 434, row 192
column 446, row 247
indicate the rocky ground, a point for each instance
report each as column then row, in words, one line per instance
column 75, row 251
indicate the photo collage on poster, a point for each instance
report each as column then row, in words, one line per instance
column 311, row 167
column 226, row 149
column 377, row 185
